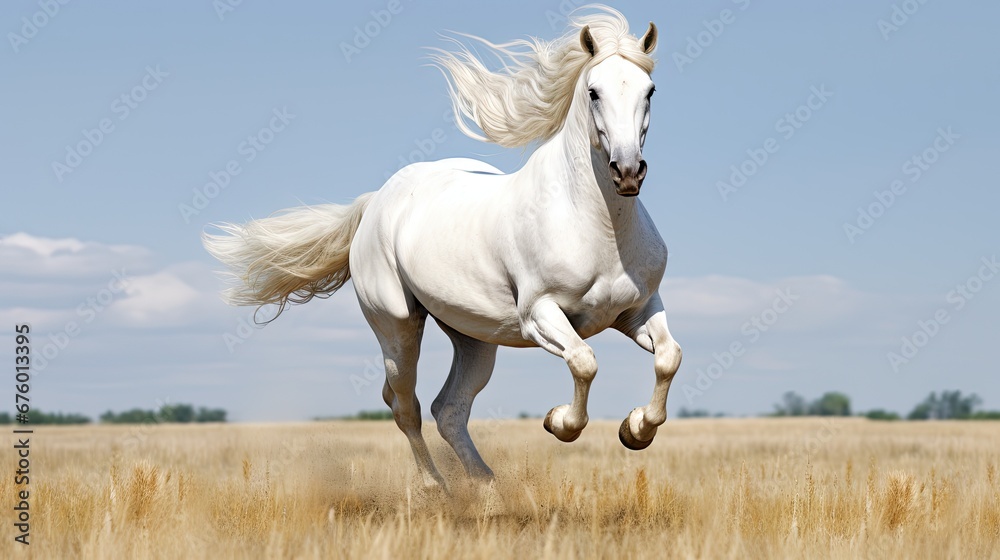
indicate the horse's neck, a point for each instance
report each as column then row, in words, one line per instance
column 570, row 171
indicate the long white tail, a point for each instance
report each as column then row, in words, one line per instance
column 293, row 256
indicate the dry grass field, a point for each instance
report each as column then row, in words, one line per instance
column 756, row 488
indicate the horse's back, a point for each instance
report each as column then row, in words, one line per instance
column 433, row 231
column 431, row 188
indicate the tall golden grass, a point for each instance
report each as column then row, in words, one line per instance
column 758, row 488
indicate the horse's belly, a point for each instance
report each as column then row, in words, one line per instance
column 492, row 319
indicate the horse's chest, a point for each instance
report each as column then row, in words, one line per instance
column 595, row 280
column 605, row 301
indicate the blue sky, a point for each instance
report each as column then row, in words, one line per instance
column 268, row 91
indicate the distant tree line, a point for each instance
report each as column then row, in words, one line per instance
column 949, row 405
column 383, row 414
column 830, row 404
column 37, row 417
column 698, row 413
column 170, row 413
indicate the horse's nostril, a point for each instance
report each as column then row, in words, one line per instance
column 616, row 173
column 642, row 170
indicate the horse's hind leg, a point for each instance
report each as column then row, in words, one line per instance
column 400, row 341
column 471, row 369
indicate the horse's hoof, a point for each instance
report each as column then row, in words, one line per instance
column 629, row 441
column 553, row 425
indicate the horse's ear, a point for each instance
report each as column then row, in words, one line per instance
column 587, row 40
column 649, row 39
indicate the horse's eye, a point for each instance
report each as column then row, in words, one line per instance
column 652, row 90
column 593, row 95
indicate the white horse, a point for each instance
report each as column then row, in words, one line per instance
column 547, row 256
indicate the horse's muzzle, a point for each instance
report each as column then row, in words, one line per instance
column 628, row 178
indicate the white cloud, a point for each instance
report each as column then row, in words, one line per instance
column 55, row 283
column 47, row 319
column 159, row 299
column 25, row 256
column 44, row 246
column 722, row 304
column 712, row 295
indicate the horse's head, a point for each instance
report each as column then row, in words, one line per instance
column 620, row 93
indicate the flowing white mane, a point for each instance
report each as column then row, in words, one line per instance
column 528, row 98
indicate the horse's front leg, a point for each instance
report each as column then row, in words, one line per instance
column 648, row 327
column 545, row 324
